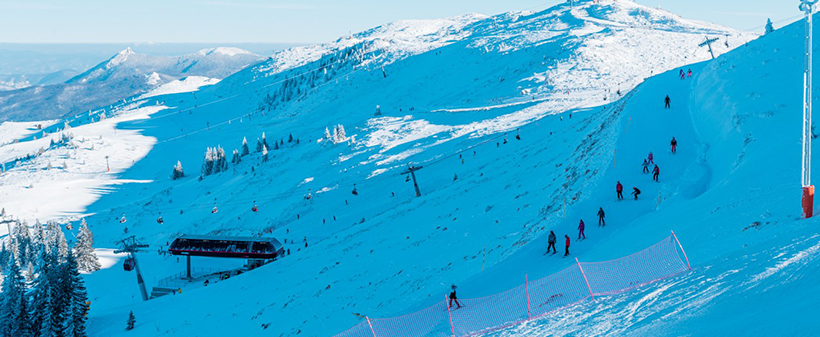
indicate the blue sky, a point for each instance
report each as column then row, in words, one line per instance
column 293, row 21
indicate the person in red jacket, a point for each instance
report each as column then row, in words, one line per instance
column 581, row 230
column 674, row 145
column 620, row 190
column 566, row 251
column 655, row 172
column 650, row 157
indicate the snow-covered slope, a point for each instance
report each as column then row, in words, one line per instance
column 451, row 96
column 124, row 75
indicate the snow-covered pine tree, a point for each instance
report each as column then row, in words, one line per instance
column 178, row 172
column 769, row 26
column 328, row 137
column 339, row 134
column 129, row 325
column 245, row 150
column 14, row 316
column 258, row 145
column 265, row 140
column 236, row 157
column 221, row 163
column 56, row 241
column 83, row 250
column 46, row 299
column 264, row 153
column 23, row 243
column 75, row 297
column 208, row 163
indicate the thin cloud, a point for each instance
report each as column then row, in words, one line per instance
column 291, row 6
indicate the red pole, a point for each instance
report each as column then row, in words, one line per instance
column 452, row 329
column 371, row 325
column 681, row 249
column 527, row 287
column 585, row 278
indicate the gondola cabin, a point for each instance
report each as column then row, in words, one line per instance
column 227, row 246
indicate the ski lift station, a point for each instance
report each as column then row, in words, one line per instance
column 256, row 250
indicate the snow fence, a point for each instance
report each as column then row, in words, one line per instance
column 535, row 298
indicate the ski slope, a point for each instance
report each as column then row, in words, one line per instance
column 452, row 95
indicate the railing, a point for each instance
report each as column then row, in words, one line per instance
column 533, row 299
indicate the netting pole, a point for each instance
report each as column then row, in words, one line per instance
column 681, row 249
column 370, row 325
column 452, row 329
column 585, row 278
column 527, row 287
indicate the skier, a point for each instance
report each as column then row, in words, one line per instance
column 620, row 190
column 655, row 172
column 454, row 298
column 581, row 230
column 566, row 251
column 667, row 100
column 551, row 241
column 674, row 145
column 682, row 74
column 505, row 138
column 645, row 167
column 636, row 192
column 601, row 222
column 690, row 73
column 650, row 157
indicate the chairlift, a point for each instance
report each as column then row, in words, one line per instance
column 407, row 178
column 308, row 196
column 355, row 192
column 160, row 220
column 214, row 210
column 123, row 219
column 254, row 208
column 69, row 227
column 129, row 264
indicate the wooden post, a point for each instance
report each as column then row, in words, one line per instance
column 585, row 278
column 627, row 124
column 527, row 287
column 450, row 315
column 370, row 325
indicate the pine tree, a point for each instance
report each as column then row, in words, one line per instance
column 264, row 153
column 208, row 162
column 245, row 150
column 76, row 298
column 328, row 137
column 276, row 146
column 236, row 157
column 14, row 318
column 129, row 325
column 265, row 141
column 48, row 300
column 178, row 172
column 221, row 163
column 769, row 26
column 84, row 251
column 339, row 134
column 290, row 138
column 258, row 145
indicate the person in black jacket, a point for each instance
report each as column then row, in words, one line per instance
column 551, row 241
column 601, row 222
column 454, row 298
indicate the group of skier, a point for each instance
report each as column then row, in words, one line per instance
column 552, row 239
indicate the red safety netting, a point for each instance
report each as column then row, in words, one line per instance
column 534, row 298
column 418, row 324
column 659, row 261
column 480, row 314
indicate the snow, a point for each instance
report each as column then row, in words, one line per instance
column 451, row 92
column 187, row 84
